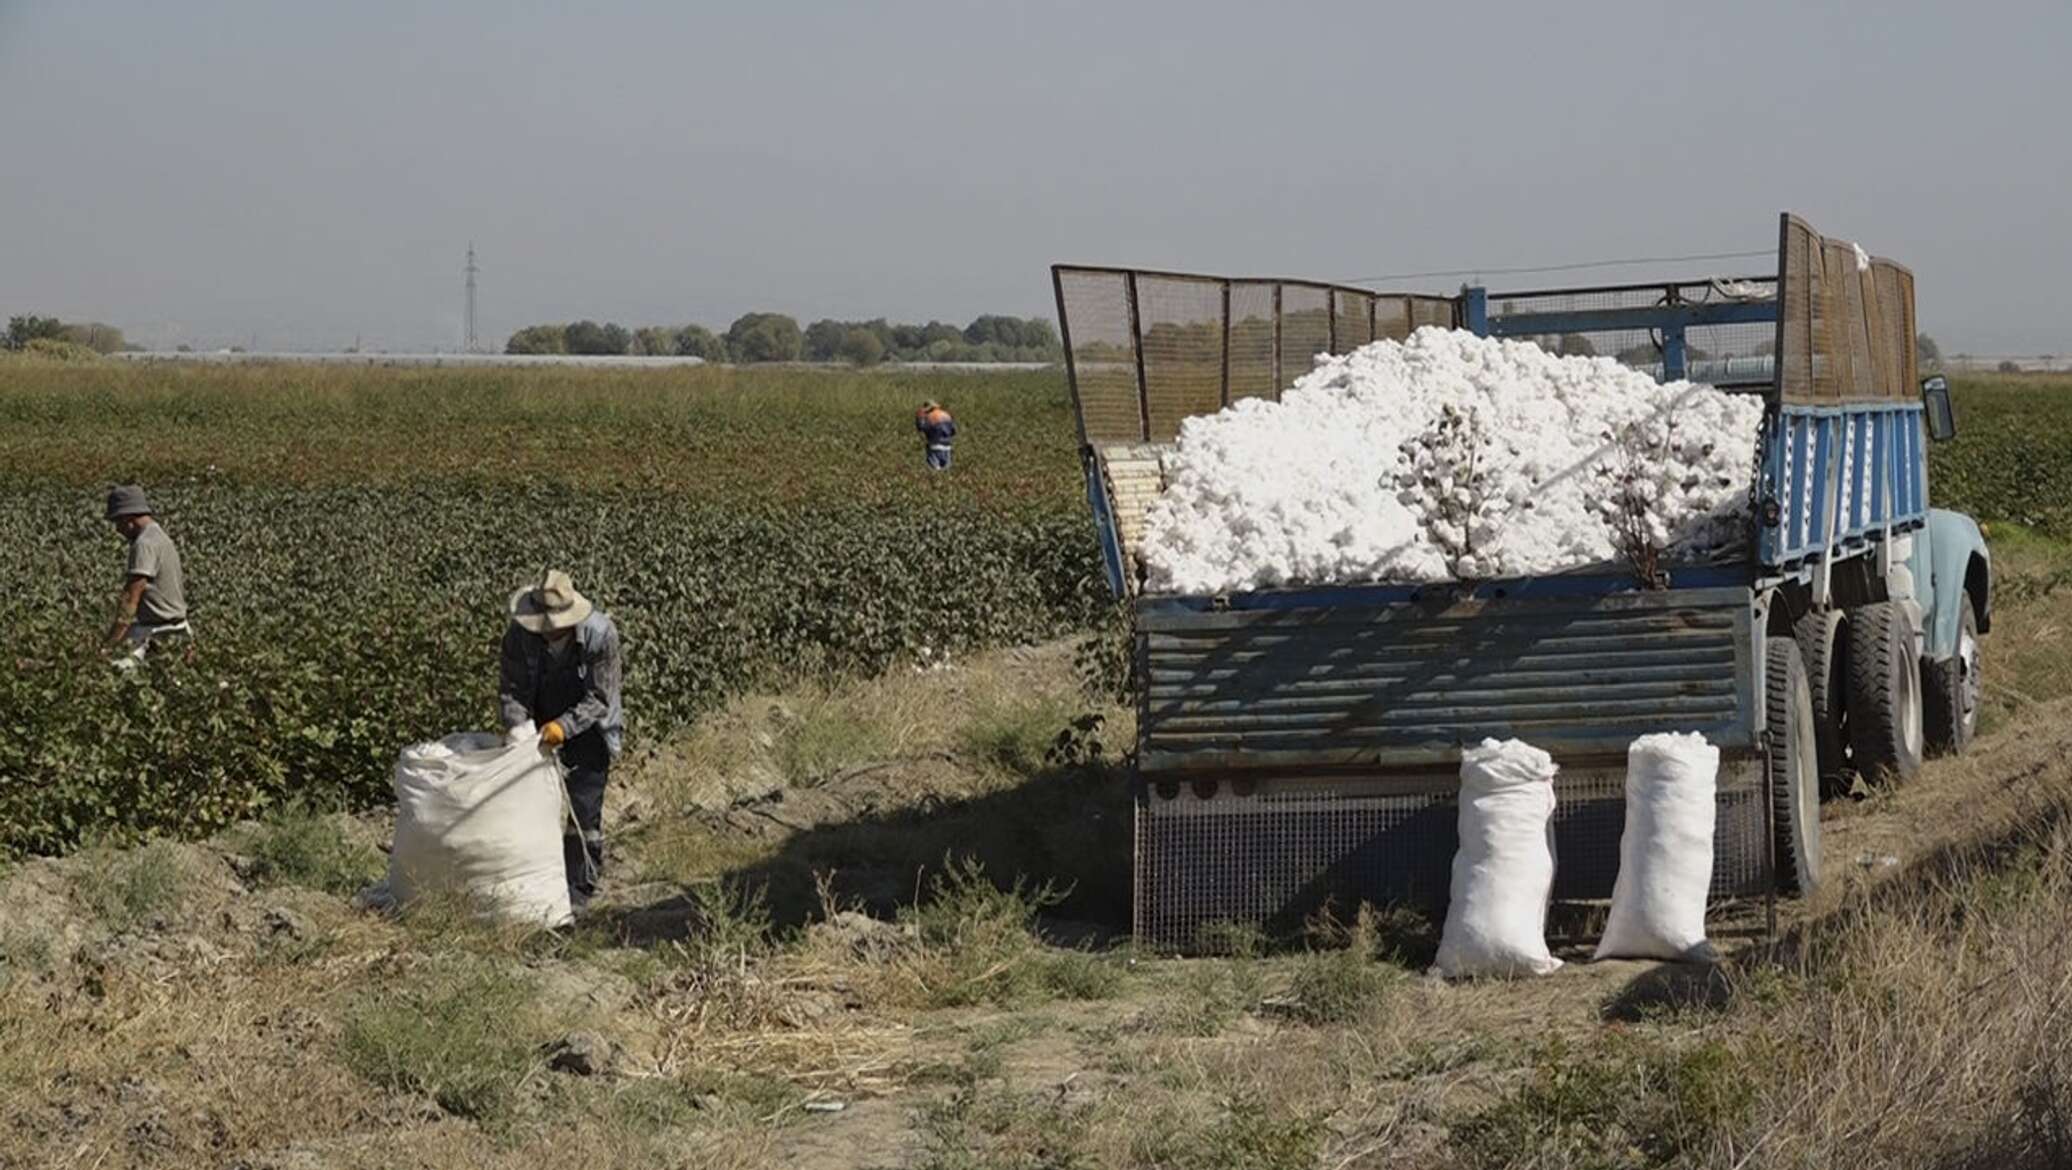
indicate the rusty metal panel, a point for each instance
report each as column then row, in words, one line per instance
column 1352, row 320
column 1845, row 331
column 1268, row 851
column 1406, row 683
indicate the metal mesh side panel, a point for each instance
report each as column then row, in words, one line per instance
column 1798, row 302
column 1392, row 318
column 1206, row 855
column 1251, row 340
column 1305, row 329
column 1352, row 318
column 1181, row 322
column 1431, row 311
column 1095, row 306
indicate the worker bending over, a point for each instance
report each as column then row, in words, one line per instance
column 937, row 430
column 561, row 667
column 153, row 603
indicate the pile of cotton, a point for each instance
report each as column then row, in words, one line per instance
column 1450, row 456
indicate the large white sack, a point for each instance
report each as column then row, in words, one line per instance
column 1665, row 856
column 481, row 815
column 1503, row 872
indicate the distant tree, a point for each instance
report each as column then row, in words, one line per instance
column 993, row 328
column 538, row 339
column 654, row 341
column 183, row 347
column 1926, row 351
column 823, row 339
column 1575, row 345
column 699, row 342
column 26, row 328
column 862, row 348
column 2010, row 367
column 936, row 331
column 588, row 337
column 1039, row 333
column 764, row 337
column 94, row 336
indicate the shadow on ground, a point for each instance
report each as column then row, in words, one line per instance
column 1068, row 828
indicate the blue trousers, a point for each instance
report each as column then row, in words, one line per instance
column 938, row 458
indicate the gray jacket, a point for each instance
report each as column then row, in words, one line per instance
column 525, row 662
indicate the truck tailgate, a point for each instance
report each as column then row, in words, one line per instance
column 1392, row 678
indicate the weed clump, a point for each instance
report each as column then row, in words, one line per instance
column 464, row 1036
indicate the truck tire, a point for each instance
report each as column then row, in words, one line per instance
column 1794, row 766
column 1951, row 689
column 1823, row 639
column 1884, row 693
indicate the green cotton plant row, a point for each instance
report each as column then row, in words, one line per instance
column 2012, row 457
column 337, row 624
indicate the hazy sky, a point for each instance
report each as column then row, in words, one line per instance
column 305, row 172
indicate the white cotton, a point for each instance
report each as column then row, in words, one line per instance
column 1503, row 871
column 1450, row 456
column 1665, row 854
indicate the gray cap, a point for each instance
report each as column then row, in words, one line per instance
column 127, row 500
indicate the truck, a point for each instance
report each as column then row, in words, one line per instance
column 1298, row 747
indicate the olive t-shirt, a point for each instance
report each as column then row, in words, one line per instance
column 153, row 556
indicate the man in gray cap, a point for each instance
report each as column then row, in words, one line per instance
column 561, row 669
column 154, row 593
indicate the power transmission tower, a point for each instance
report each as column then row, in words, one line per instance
column 470, row 346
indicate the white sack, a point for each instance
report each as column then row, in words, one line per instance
column 480, row 814
column 1503, row 873
column 1665, row 856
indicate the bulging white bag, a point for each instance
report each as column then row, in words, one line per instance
column 1503, row 872
column 480, row 814
column 1665, row 854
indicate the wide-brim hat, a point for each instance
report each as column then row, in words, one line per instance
column 127, row 500
column 553, row 604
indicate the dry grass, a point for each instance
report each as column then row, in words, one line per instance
column 1912, row 1015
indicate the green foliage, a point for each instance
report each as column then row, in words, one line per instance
column 125, row 888
column 1926, row 351
column 764, row 337
column 588, row 337
column 350, row 553
column 295, row 845
column 23, row 329
column 2012, row 458
column 699, row 342
column 860, row 347
column 52, row 349
column 538, row 339
column 463, row 1035
column 1620, row 1103
column 983, row 938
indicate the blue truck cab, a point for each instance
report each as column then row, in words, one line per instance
column 1300, row 746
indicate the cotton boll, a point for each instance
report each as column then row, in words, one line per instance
column 1446, row 455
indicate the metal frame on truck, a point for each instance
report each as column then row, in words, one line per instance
column 1299, row 745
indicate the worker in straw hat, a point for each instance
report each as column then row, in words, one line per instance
column 937, row 430
column 560, row 669
column 153, row 603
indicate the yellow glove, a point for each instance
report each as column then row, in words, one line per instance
column 554, row 734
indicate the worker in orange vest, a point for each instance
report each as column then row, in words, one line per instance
column 937, row 430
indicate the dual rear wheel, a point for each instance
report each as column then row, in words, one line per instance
column 1846, row 695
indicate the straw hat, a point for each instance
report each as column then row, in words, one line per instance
column 553, row 605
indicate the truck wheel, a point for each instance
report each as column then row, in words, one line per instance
column 1823, row 639
column 1794, row 767
column 1952, row 688
column 1884, row 693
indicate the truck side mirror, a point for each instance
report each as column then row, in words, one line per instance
column 1935, row 400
